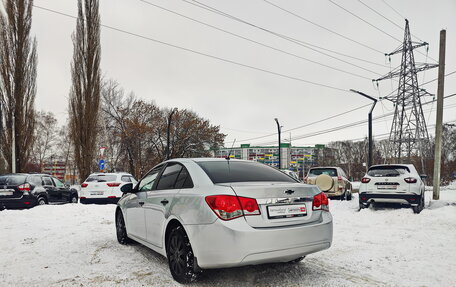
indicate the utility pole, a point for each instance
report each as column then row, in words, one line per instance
column 279, row 131
column 369, row 159
column 438, row 125
column 13, row 146
column 167, row 133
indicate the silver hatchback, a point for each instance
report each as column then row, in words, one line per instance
column 211, row 213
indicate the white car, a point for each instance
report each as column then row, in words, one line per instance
column 104, row 187
column 214, row 213
column 395, row 183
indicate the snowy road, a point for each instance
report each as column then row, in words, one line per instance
column 75, row 245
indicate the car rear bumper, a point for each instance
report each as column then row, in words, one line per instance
column 98, row 200
column 404, row 198
column 235, row 243
column 19, row 203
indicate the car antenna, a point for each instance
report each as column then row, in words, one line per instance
column 228, row 157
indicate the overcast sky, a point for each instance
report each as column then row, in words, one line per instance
column 245, row 101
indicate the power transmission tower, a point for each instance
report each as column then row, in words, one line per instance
column 409, row 134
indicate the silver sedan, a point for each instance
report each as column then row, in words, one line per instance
column 211, row 213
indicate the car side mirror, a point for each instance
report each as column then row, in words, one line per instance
column 127, row 188
column 67, row 185
column 423, row 176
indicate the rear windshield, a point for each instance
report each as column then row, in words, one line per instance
column 238, row 171
column 101, row 178
column 12, row 179
column 386, row 171
column 318, row 171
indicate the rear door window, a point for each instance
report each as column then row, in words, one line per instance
column 169, row 176
column 125, row 178
column 34, row 180
column 183, row 180
column 47, row 181
column 318, row 171
column 387, row 171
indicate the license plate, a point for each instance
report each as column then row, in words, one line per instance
column 386, row 187
column 97, row 193
column 6, row 193
column 286, row 211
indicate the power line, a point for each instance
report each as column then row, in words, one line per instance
column 400, row 15
column 287, row 38
column 325, row 119
column 322, row 27
column 252, row 41
column 372, row 25
column 387, row 19
column 306, row 125
column 368, row 23
column 352, row 124
column 201, row 53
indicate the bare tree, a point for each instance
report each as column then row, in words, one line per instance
column 17, row 80
column 45, row 137
column 86, row 86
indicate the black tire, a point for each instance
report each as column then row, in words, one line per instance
column 361, row 206
column 180, row 256
column 41, row 201
column 297, row 260
column 121, row 230
column 417, row 209
column 74, row 199
column 349, row 196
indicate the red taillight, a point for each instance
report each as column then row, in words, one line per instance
column 27, row 202
column 111, row 197
column 83, row 197
column 84, row 185
column 410, row 180
column 339, row 178
column 228, row 207
column 24, row 187
column 320, row 202
column 249, row 206
column 365, row 180
column 113, row 184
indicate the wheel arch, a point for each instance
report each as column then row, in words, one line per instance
column 174, row 222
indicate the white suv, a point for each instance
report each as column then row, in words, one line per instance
column 396, row 183
column 104, row 187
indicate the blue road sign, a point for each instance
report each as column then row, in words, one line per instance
column 101, row 164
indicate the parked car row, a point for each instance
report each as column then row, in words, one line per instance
column 207, row 213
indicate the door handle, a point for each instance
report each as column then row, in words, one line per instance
column 141, row 203
column 164, row 202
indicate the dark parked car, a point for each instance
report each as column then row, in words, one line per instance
column 25, row 190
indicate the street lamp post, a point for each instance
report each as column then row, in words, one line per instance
column 369, row 160
column 167, row 133
column 279, row 131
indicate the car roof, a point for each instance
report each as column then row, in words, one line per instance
column 314, row 167
column 110, row 173
column 202, row 159
column 394, row 164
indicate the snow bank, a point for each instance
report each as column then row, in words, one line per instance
column 75, row 245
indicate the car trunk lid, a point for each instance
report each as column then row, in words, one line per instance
column 280, row 203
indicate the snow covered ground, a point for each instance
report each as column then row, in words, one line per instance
column 75, row 245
